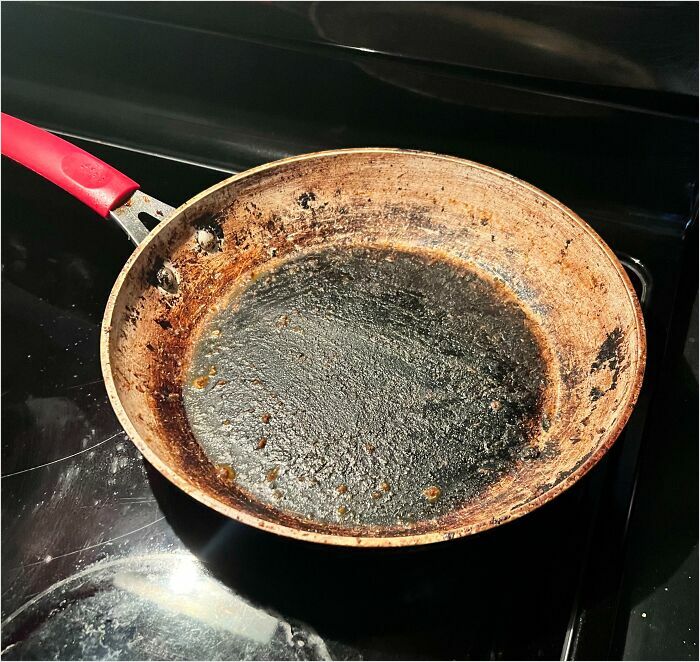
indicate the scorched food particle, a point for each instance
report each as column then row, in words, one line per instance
column 226, row 472
column 200, row 382
column 432, row 493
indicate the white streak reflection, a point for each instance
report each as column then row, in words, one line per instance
column 207, row 601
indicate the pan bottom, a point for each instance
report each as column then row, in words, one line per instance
column 367, row 386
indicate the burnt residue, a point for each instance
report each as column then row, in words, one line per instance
column 152, row 385
column 609, row 353
column 597, row 393
column 571, row 377
column 273, row 223
column 305, row 199
column 580, row 462
column 609, row 358
column 336, row 352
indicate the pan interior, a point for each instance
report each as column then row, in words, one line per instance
column 367, row 386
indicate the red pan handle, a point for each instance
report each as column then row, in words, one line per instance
column 93, row 182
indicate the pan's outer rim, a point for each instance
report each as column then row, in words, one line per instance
column 368, row 541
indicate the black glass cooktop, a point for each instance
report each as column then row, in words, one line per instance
column 103, row 558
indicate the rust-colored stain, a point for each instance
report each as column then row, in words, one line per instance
column 432, row 493
column 201, row 382
column 575, row 290
column 226, row 472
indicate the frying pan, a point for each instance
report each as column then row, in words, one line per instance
column 364, row 347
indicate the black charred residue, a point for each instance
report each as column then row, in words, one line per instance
column 546, row 487
column 404, row 353
column 241, row 238
column 596, row 393
column 305, row 199
column 610, row 358
column 581, row 461
column 274, row 222
column 609, row 353
column 564, row 474
column 253, row 210
column 529, row 453
column 131, row 314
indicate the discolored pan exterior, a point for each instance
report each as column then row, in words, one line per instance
column 576, row 295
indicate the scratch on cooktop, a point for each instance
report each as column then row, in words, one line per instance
column 100, row 565
column 135, row 500
column 83, row 549
column 96, row 381
column 67, row 457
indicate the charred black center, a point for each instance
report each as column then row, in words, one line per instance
column 366, row 386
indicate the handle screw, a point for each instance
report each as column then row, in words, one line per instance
column 166, row 280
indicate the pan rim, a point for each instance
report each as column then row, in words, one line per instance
column 626, row 407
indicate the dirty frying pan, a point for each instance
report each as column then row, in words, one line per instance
column 368, row 347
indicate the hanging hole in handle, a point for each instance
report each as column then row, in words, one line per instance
column 149, row 221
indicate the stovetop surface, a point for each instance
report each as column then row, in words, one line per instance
column 103, row 558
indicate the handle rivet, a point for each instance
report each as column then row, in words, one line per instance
column 166, row 280
column 207, row 240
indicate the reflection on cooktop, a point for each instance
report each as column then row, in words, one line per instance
column 139, row 607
